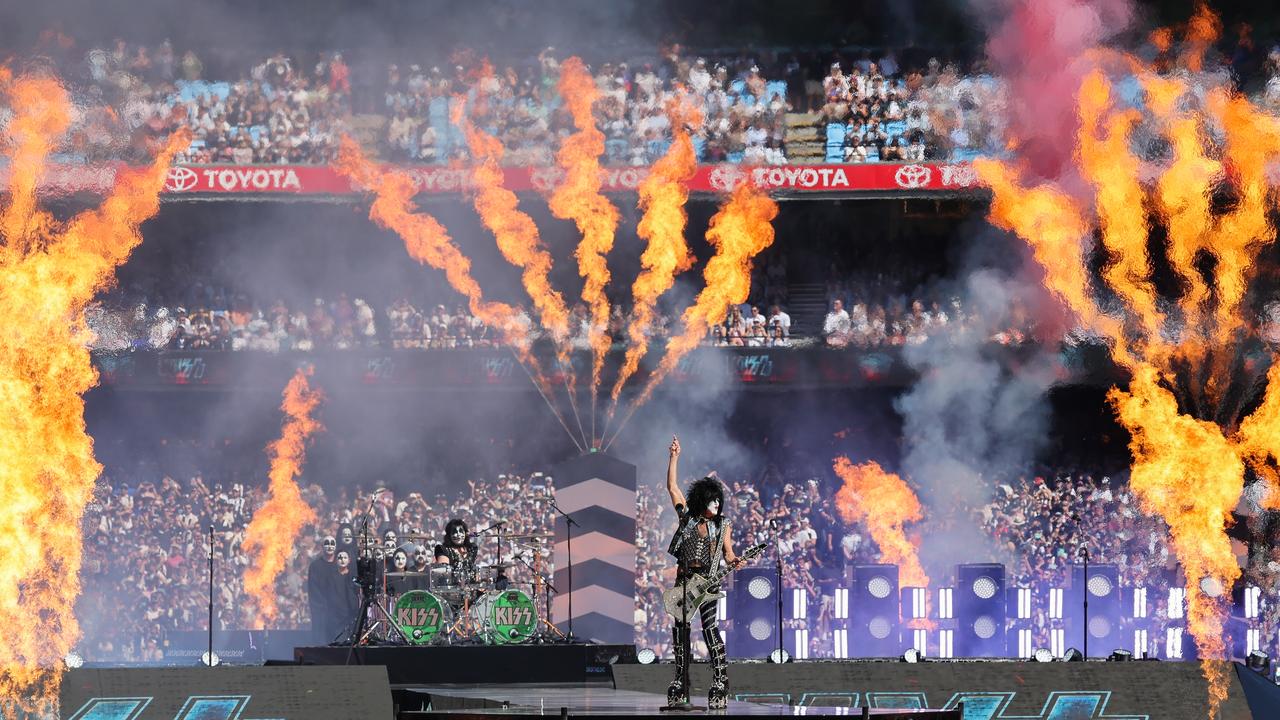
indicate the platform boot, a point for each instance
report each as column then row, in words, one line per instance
column 677, row 693
column 718, row 692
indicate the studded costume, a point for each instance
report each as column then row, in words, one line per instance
column 698, row 546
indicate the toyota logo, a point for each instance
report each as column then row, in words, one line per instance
column 546, row 178
column 912, row 176
column 181, row 179
column 726, row 177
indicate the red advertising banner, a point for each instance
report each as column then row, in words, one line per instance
column 434, row 179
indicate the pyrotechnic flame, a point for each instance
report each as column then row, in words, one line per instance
column 49, row 272
column 273, row 532
column 1188, row 470
column 428, row 242
column 741, row 229
column 578, row 198
column 663, row 195
column 1189, row 473
column 885, row 504
column 516, row 233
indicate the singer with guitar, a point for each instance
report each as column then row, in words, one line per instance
column 701, row 543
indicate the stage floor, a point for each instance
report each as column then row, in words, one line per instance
column 511, row 701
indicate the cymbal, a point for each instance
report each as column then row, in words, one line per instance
column 406, row 573
column 532, row 536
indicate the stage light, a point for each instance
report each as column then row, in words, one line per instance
column 1102, row 588
column 1072, row 655
column 1258, row 661
column 778, row 657
column 210, row 660
column 646, row 656
column 73, row 660
column 1119, row 655
column 874, row 611
column 1042, row 655
column 912, row 655
column 1211, row 586
column 981, row 608
column 752, row 602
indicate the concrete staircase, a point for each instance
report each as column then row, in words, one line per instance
column 807, row 306
column 806, row 139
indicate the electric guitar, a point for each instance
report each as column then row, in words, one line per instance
column 699, row 587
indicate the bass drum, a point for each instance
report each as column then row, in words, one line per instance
column 505, row 617
column 422, row 616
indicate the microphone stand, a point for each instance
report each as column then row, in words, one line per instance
column 568, row 530
column 1084, row 591
column 210, row 656
column 777, row 554
column 366, row 590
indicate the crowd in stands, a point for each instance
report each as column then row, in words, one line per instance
column 145, row 543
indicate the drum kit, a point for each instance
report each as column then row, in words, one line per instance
column 448, row 605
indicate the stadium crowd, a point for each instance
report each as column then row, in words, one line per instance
column 145, row 542
column 292, row 109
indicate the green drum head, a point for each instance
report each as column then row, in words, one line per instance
column 512, row 617
column 421, row 616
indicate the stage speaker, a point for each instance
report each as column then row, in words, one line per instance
column 1105, row 610
column 980, row 611
column 874, row 615
column 753, row 603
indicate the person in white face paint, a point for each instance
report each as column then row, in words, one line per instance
column 701, row 543
column 458, row 550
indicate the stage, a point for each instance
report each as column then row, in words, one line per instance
column 400, row 683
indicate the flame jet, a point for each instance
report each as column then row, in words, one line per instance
column 1189, row 449
column 49, row 271
column 885, row 504
column 428, row 242
column 741, row 229
column 275, row 528
column 663, row 196
column 578, row 198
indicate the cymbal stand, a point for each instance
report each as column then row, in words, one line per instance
column 542, row 585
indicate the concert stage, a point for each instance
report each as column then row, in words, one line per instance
column 605, row 680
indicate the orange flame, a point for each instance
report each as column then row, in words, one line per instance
column 740, row 230
column 515, row 232
column 578, row 198
column 426, row 239
column 1190, row 471
column 884, row 503
column 49, row 272
column 663, row 195
column 273, row 532
column 1186, row 470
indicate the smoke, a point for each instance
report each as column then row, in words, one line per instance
column 1041, row 49
column 977, row 413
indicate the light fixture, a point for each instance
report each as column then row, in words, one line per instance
column 1258, row 661
column 1119, row 655
column 1042, row 655
column 73, row 660
column 1211, row 586
column 646, row 656
column 211, row 661
column 779, row 656
column 912, row 655
column 1072, row 655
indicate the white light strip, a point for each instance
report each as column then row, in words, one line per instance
column 1177, row 596
column 945, row 647
column 1057, row 642
column 1252, row 596
column 1139, row 644
column 842, row 603
column 722, row 609
column 799, row 603
column 920, row 640
column 919, row 603
column 1252, row 640
column 801, row 644
column 1173, row 643
column 1024, row 642
column 1139, row 602
column 841, row 637
column 944, row 604
column 1024, row 605
column 1055, row 603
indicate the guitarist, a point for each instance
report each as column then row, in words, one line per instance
column 702, row 541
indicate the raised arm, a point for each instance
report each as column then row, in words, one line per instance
column 673, row 475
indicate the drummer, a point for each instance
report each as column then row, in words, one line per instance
column 458, row 551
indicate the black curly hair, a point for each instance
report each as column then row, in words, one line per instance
column 448, row 533
column 702, row 492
